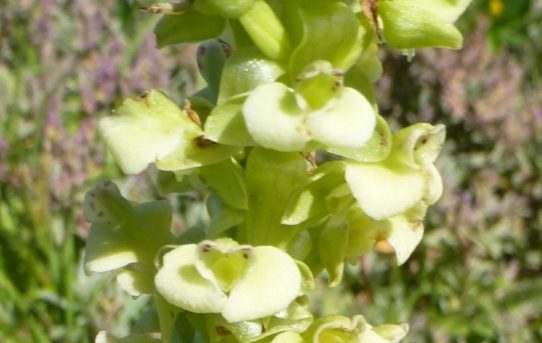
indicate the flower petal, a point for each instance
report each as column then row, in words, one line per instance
column 376, row 149
column 180, row 283
column 274, row 119
column 384, row 191
column 404, row 236
column 348, row 123
column 268, row 286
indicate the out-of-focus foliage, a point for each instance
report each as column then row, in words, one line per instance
column 63, row 64
column 477, row 275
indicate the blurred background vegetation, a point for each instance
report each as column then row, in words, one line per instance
column 476, row 277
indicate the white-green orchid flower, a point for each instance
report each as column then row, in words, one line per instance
column 394, row 194
column 319, row 112
column 240, row 282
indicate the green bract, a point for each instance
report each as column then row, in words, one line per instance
column 285, row 146
column 330, row 32
column 125, row 236
column 188, row 26
column 412, row 24
column 240, row 282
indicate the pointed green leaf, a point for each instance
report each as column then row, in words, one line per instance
column 332, row 247
column 300, row 245
column 107, row 250
column 222, row 217
column 266, row 31
column 226, row 124
column 169, row 182
column 167, row 317
column 137, row 240
column 211, row 57
column 356, row 78
column 198, row 152
column 228, row 180
column 190, row 26
column 330, row 33
column 271, row 178
column 105, row 206
column 363, row 233
column 368, row 63
column 309, row 201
